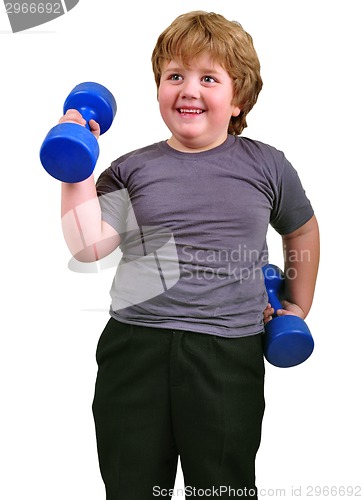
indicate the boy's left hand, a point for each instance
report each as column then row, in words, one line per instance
column 267, row 313
column 288, row 308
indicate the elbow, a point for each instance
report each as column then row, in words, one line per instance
column 87, row 255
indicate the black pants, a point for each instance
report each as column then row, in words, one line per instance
column 162, row 393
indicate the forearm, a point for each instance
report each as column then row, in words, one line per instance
column 301, row 256
column 87, row 237
column 74, row 195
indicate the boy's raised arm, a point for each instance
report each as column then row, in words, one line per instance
column 88, row 237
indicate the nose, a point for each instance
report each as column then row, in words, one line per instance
column 190, row 89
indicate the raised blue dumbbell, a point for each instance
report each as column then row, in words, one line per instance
column 70, row 151
column 287, row 339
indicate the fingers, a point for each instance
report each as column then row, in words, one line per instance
column 268, row 313
column 95, row 128
column 290, row 312
column 290, row 309
column 74, row 116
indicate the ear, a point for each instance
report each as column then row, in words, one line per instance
column 236, row 111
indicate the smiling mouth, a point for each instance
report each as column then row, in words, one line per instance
column 190, row 111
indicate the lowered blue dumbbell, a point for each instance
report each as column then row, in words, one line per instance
column 70, row 151
column 287, row 339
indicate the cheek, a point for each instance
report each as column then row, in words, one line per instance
column 166, row 92
column 222, row 109
column 164, row 98
column 165, row 103
column 162, row 105
column 221, row 98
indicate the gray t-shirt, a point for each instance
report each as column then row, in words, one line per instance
column 193, row 229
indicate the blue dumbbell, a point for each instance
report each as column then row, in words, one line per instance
column 287, row 339
column 70, row 151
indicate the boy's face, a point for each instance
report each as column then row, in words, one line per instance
column 196, row 104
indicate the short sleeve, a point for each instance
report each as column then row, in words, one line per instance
column 113, row 198
column 291, row 207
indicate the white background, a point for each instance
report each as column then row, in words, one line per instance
column 310, row 107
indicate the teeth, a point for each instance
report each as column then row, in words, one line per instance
column 195, row 111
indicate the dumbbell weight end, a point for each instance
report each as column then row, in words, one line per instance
column 94, row 102
column 69, row 152
column 287, row 344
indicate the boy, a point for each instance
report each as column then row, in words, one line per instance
column 180, row 369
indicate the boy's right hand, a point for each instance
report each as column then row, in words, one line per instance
column 74, row 116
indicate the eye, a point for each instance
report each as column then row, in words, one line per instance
column 175, row 77
column 209, row 79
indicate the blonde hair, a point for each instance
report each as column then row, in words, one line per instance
column 228, row 44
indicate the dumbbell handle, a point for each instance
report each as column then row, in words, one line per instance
column 274, row 283
column 274, row 301
column 88, row 115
